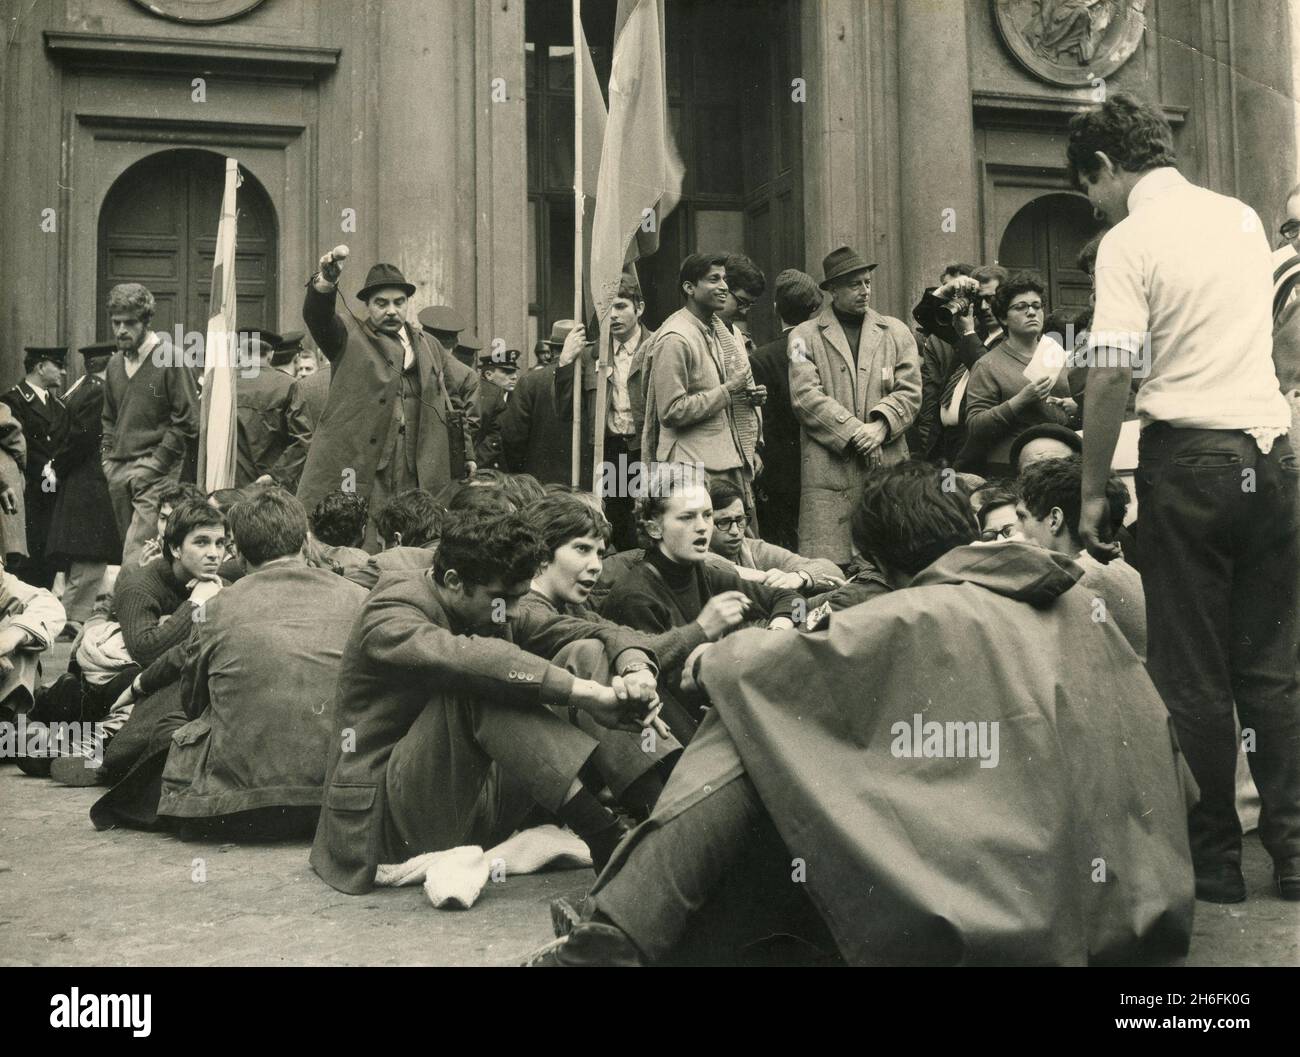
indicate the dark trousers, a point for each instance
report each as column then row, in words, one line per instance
column 1220, row 567
column 778, row 509
column 37, row 569
column 620, row 508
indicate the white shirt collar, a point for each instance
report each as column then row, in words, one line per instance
column 150, row 340
column 40, row 391
column 632, row 341
column 1154, row 183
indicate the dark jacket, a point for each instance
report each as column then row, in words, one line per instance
column 403, row 655
column 492, row 403
column 535, row 437
column 779, row 480
column 262, row 406
column 45, row 426
column 83, row 527
column 258, row 686
column 353, row 431
column 306, row 404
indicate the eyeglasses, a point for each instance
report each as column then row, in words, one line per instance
column 1290, row 229
column 1003, row 533
column 743, row 301
column 729, row 523
column 1027, row 306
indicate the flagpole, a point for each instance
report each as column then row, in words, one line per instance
column 575, row 464
column 604, row 359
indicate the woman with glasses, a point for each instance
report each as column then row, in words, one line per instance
column 1000, row 403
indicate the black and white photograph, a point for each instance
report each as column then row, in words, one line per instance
column 650, row 483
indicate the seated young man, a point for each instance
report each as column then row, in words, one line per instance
column 408, row 529
column 672, row 585
column 1014, row 798
column 758, row 560
column 159, row 605
column 995, row 508
column 170, row 497
column 258, row 684
column 1051, row 496
column 441, row 739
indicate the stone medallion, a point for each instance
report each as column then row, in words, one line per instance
column 1071, row 42
column 198, row 11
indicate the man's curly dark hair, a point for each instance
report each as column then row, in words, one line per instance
column 1020, row 283
column 907, row 519
column 339, row 519
column 1133, row 134
column 1050, row 483
column 486, row 547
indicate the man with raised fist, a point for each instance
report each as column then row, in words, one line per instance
column 386, row 424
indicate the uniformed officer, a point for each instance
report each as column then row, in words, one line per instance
column 44, row 418
column 443, row 324
column 499, row 369
column 261, row 405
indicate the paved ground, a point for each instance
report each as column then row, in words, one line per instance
column 72, row 896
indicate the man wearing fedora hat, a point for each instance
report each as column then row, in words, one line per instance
column 855, row 385
column 385, row 425
column 44, row 419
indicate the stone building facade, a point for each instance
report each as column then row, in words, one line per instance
column 437, row 134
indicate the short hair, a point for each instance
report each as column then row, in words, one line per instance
column 488, row 475
column 744, row 274
column 561, row 517
column 993, row 495
column 487, row 498
column 723, row 492
column 957, row 268
column 696, row 267
column 131, row 299
column 797, row 297
column 268, row 524
column 1087, row 259
column 415, row 514
column 1133, row 134
column 225, row 498
column 1020, row 283
column 986, row 273
column 339, row 519
column 522, row 489
column 1050, row 483
column 173, row 493
column 187, row 516
column 663, row 481
column 906, row 519
column 483, row 547
column 630, row 288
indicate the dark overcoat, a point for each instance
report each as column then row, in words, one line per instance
column 83, row 527
column 353, row 431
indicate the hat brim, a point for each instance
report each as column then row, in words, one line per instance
column 835, row 277
column 364, row 293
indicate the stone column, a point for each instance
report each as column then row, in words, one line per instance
column 937, row 139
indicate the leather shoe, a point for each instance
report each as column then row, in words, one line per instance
column 590, row 943
column 1286, row 876
column 1221, row 884
column 565, row 917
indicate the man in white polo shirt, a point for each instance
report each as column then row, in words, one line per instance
column 1184, row 295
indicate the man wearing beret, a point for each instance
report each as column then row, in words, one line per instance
column 44, row 419
column 855, row 384
column 385, row 425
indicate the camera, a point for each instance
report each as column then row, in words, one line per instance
column 951, row 309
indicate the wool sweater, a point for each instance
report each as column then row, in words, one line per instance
column 154, row 610
column 153, row 414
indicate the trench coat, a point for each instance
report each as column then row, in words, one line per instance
column 258, row 686
column 1071, row 849
column 353, row 431
column 13, row 458
column 83, row 527
column 832, row 401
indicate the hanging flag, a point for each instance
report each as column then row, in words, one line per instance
column 640, row 171
column 594, row 117
column 217, row 423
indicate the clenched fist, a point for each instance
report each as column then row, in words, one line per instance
column 331, row 266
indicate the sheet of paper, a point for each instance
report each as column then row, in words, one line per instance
column 1048, row 361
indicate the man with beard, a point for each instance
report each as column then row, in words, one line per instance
column 151, row 416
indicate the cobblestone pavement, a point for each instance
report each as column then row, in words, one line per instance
column 72, row 896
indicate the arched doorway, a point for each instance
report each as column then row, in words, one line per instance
column 1046, row 235
column 158, row 226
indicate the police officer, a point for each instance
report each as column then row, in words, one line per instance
column 44, row 418
column 499, row 370
column 443, row 324
column 261, row 407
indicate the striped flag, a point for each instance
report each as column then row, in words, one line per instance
column 640, row 171
column 217, row 423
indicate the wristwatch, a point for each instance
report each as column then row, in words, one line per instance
column 638, row 666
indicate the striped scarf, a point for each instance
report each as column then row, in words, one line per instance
column 743, row 414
